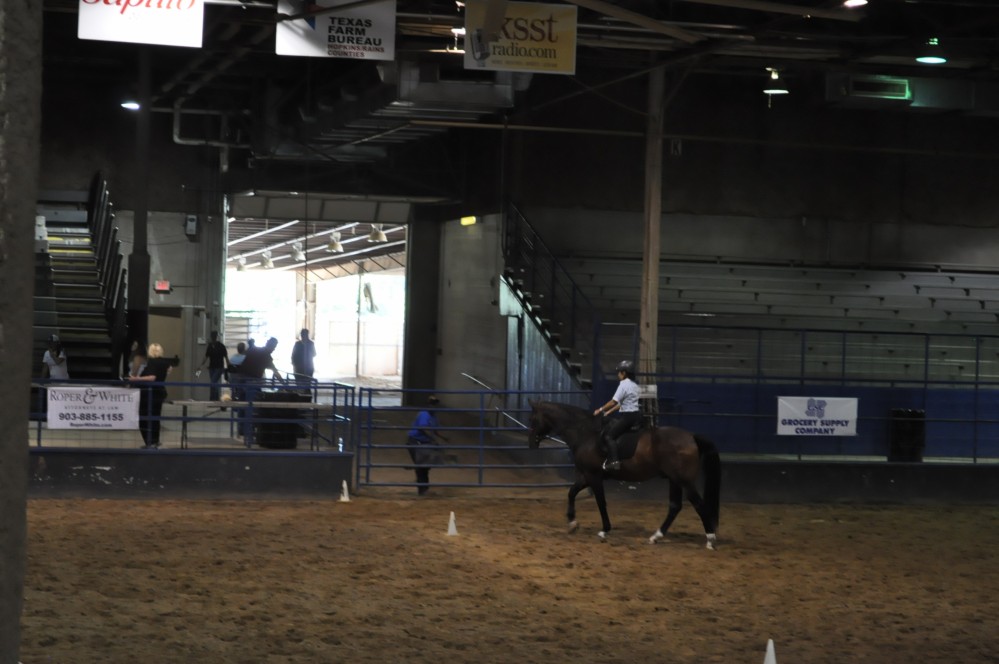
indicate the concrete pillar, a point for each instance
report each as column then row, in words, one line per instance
column 20, row 110
column 421, row 336
column 648, row 335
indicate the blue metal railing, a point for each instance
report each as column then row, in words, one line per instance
column 247, row 416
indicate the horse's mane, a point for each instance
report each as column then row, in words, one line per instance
column 569, row 416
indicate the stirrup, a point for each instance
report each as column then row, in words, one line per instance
column 611, row 465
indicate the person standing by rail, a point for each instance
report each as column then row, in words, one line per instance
column 303, row 356
column 152, row 397
column 421, row 446
column 54, row 365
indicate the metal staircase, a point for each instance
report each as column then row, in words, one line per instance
column 557, row 307
column 79, row 282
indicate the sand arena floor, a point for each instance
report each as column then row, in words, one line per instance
column 378, row 580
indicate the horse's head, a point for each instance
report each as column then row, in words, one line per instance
column 539, row 426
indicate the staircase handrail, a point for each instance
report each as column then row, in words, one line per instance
column 114, row 285
column 118, row 317
column 578, row 313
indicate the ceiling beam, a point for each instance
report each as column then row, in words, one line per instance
column 640, row 20
column 781, row 8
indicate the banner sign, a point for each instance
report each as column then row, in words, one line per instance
column 533, row 37
column 93, row 408
column 366, row 32
column 816, row 416
column 167, row 22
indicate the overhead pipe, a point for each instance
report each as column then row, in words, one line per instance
column 219, row 143
column 698, row 138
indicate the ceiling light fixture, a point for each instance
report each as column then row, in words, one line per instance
column 469, row 221
column 853, row 4
column 774, row 86
column 130, row 105
column 334, row 247
column 268, row 263
column 296, row 252
column 377, row 234
column 931, row 53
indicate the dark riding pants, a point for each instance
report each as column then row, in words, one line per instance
column 422, row 453
column 619, row 424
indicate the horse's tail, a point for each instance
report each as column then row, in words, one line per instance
column 711, row 463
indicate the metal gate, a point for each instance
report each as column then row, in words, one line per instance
column 486, row 440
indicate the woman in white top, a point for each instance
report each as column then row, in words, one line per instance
column 54, row 365
column 624, row 404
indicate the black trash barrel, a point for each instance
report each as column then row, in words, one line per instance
column 274, row 434
column 907, row 435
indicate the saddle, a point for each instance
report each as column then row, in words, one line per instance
column 627, row 442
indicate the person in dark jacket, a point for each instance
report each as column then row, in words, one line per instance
column 152, row 397
column 303, row 356
column 420, row 444
column 217, row 359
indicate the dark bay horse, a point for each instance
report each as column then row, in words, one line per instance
column 675, row 454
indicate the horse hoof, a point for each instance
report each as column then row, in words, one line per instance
column 656, row 536
column 573, row 526
column 602, row 535
column 712, row 540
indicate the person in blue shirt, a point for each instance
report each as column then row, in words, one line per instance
column 421, row 445
column 624, row 404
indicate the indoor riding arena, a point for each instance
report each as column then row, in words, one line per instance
column 270, row 575
column 379, row 579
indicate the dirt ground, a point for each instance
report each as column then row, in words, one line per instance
column 378, row 579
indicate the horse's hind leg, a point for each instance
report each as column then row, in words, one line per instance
column 702, row 511
column 675, row 505
column 597, row 484
column 570, row 512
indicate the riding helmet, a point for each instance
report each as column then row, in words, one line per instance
column 626, row 366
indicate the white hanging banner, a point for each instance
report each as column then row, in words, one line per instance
column 366, row 32
column 167, row 22
column 816, row 416
column 93, row 407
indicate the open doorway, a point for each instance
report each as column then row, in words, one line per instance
column 357, row 321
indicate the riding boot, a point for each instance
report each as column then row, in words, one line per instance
column 611, row 462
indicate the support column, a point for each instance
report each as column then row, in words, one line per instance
column 138, row 261
column 421, row 337
column 20, row 110
column 648, row 337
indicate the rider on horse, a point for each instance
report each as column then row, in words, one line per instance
column 625, row 404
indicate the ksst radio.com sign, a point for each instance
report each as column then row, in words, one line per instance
column 532, row 37
column 93, row 408
column 167, row 22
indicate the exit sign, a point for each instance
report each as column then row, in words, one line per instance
column 162, row 286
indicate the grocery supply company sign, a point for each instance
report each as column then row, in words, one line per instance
column 93, row 408
column 816, row 416
column 533, row 37
column 167, row 22
column 363, row 33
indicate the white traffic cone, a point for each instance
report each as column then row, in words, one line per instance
column 344, row 496
column 452, row 529
column 771, row 657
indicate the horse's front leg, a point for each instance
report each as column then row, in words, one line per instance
column 597, row 485
column 570, row 511
column 675, row 505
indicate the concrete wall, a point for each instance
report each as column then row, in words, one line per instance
column 182, row 320
column 472, row 335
